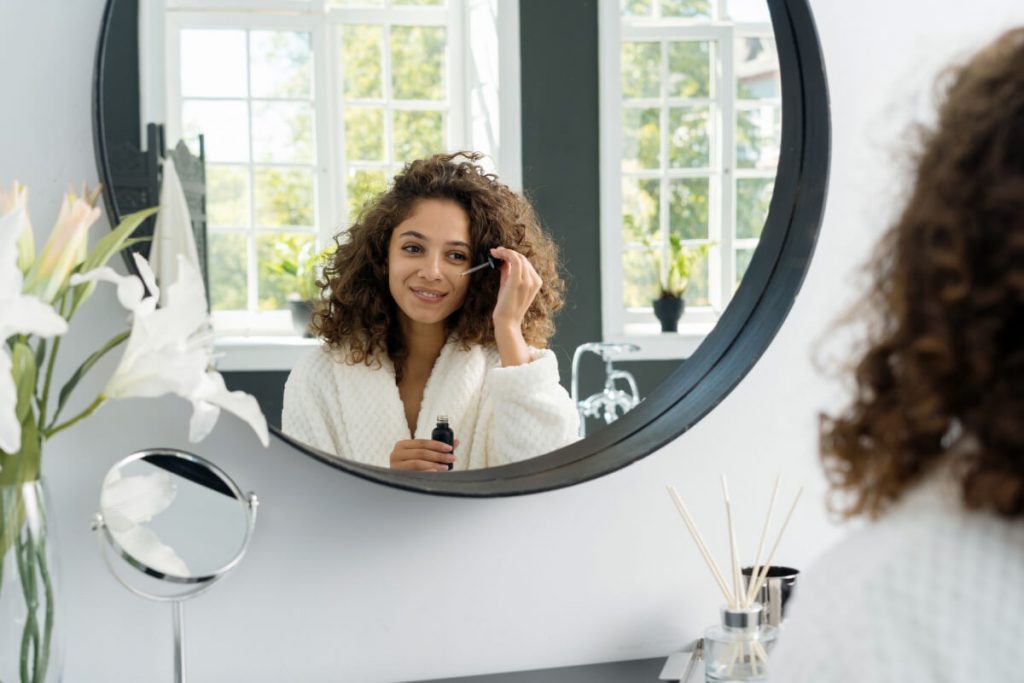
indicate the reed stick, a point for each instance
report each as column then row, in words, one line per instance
column 778, row 539
column 699, row 540
column 749, row 597
column 736, row 583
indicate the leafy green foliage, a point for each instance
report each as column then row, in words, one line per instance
column 675, row 273
column 291, row 268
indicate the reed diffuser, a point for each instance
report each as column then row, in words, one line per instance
column 737, row 649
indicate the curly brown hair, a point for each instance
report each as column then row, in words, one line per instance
column 946, row 351
column 356, row 313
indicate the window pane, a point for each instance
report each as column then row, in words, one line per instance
column 696, row 293
column 641, row 69
column 688, row 208
column 364, row 133
column 743, row 257
column 690, row 9
column 752, row 198
column 689, row 69
column 360, row 60
column 418, row 134
column 636, row 8
column 641, row 210
column 639, row 278
column 281, row 63
column 417, row 62
column 284, row 197
column 641, row 139
column 757, row 69
column 748, row 10
column 363, row 185
column 227, row 258
column 224, row 125
column 227, row 195
column 213, row 63
column 281, row 257
column 689, row 141
column 282, row 132
column 758, row 136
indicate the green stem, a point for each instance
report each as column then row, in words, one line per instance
column 44, row 401
column 93, row 407
column 43, row 661
column 84, row 368
column 30, row 632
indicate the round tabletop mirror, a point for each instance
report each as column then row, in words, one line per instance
column 175, row 516
column 672, row 149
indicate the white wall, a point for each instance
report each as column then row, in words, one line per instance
column 350, row 581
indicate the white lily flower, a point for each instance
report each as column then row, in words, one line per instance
column 17, row 198
column 170, row 349
column 66, row 247
column 129, row 502
column 19, row 314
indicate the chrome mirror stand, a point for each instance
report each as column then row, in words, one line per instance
column 179, row 587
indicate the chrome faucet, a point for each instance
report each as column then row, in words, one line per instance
column 607, row 403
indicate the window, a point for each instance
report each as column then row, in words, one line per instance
column 691, row 121
column 308, row 107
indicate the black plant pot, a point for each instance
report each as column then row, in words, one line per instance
column 302, row 313
column 669, row 310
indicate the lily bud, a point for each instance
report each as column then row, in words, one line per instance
column 65, row 249
column 17, row 200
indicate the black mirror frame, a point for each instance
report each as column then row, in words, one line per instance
column 742, row 334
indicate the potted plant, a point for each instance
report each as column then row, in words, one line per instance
column 296, row 267
column 673, row 277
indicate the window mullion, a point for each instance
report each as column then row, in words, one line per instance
column 324, row 130
column 664, row 227
column 385, row 61
column 251, row 274
column 728, row 177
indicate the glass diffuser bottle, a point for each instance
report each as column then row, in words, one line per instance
column 737, row 650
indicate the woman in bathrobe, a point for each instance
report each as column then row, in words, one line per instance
column 408, row 337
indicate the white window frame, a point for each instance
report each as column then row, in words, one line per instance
column 482, row 103
column 639, row 326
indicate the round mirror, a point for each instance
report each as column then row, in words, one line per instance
column 175, row 516
column 667, row 146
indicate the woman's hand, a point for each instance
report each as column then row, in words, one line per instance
column 519, row 286
column 422, row 455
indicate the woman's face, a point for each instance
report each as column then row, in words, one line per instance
column 427, row 254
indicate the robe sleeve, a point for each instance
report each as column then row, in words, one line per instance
column 307, row 400
column 526, row 411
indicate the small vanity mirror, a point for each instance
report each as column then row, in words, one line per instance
column 176, row 518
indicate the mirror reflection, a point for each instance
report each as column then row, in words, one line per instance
column 173, row 515
column 295, row 116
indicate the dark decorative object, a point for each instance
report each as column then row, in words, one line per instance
column 135, row 178
column 668, row 310
column 302, row 312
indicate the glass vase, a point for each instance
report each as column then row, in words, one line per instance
column 30, row 647
column 738, row 648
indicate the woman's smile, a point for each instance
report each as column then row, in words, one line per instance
column 428, row 295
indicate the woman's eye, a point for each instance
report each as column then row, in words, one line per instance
column 412, row 249
column 458, row 256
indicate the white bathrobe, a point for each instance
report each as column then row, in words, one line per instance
column 499, row 415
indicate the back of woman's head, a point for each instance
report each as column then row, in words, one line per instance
column 357, row 311
column 946, row 356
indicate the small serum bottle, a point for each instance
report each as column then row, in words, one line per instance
column 443, row 433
